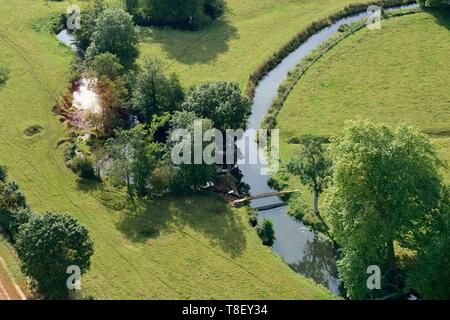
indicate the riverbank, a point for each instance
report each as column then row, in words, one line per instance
column 317, row 101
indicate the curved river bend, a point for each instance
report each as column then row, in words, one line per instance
column 305, row 251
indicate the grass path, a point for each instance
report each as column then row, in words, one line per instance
column 170, row 249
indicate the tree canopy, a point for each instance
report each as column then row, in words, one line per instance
column 116, row 33
column 154, row 92
column 220, row 101
column 385, row 185
column 48, row 245
column 312, row 166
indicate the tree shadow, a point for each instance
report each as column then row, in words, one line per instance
column 191, row 47
column 442, row 17
column 207, row 214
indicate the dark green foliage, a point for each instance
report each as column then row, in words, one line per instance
column 134, row 156
column 266, row 232
column 386, row 188
column 47, row 245
column 88, row 23
column 3, row 173
column 186, row 14
column 434, row 3
column 312, row 166
column 17, row 219
column 106, row 65
column 116, row 33
column 188, row 177
column 154, row 92
column 431, row 275
column 3, row 76
column 84, row 168
column 220, row 101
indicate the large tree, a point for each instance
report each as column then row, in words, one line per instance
column 220, row 101
column 47, row 245
column 385, row 184
column 88, row 23
column 188, row 175
column 154, row 92
column 312, row 166
column 134, row 156
column 431, row 274
column 116, row 33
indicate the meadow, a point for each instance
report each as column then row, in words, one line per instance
column 396, row 75
column 175, row 248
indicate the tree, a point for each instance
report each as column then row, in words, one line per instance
column 434, row 3
column 431, row 274
column 312, row 166
column 154, row 93
column 88, row 23
column 47, row 245
column 106, row 65
column 188, row 175
column 116, row 33
column 266, row 232
column 112, row 95
column 12, row 199
column 220, row 101
column 135, row 156
column 385, row 184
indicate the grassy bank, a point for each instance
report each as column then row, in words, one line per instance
column 185, row 248
column 394, row 75
column 233, row 49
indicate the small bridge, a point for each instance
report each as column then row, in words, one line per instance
column 261, row 196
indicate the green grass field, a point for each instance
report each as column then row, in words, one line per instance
column 176, row 248
column 233, row 48
column 398, row 74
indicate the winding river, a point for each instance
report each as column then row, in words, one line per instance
column 305, row 251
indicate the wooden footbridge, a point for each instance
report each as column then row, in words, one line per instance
column 264, row 195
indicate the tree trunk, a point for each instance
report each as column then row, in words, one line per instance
column 393, row 270
column 316, row 202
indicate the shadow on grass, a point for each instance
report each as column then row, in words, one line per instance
column 206, row 214
column 191, row 47
column 442, row 17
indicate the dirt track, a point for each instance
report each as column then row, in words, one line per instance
column 8, row 289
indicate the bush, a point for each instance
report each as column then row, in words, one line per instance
column 3, row 76
column 84, row 167
column 266, row 232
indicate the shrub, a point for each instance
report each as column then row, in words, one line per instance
column 266, row 232
column 84, row 167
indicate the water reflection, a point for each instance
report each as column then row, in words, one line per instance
column 318, row 263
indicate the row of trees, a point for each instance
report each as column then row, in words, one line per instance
column 186, row 14
column 46, row 244
column 383, row 187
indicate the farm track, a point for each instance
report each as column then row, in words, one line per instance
column 9, row 290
